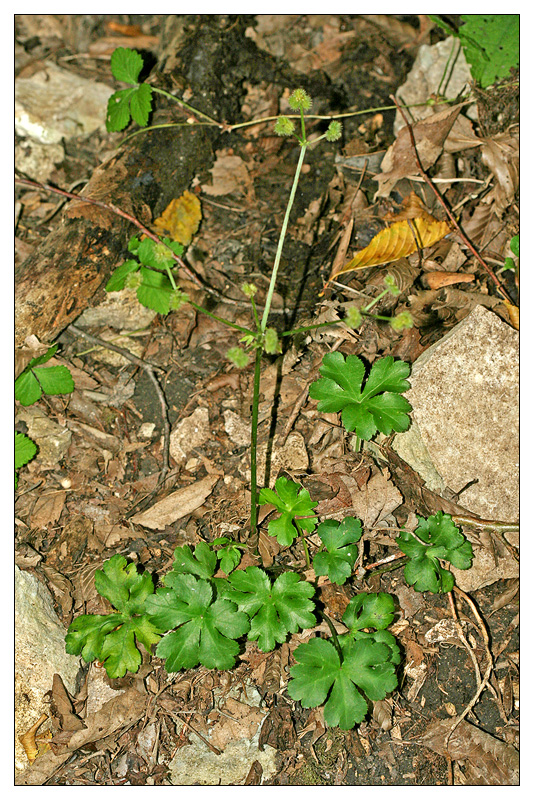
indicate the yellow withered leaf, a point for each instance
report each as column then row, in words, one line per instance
column 181, row 219
column 397, row 241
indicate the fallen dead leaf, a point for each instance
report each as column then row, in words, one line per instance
column 490, row 762
column 181, row 218
column 48, row 508
column 230, row 174
column 177, row 505
column 437, row 279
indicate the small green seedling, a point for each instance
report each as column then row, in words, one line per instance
column 228, row 554
column 296, row 510
column 361, row 665
column 111, row 638
column 377, row 406
column 37, row 380
column 340, row 554
column 437, row 538
column 133, row 103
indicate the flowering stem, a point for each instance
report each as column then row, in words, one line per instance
column 254, row 444
column 281, row 239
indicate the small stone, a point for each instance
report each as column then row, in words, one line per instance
column 465, row 405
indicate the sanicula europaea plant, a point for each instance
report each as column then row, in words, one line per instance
column 198, row 617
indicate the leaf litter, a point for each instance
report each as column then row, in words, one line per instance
column 109, row 467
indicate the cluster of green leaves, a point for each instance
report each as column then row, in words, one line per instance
column 435, row 538
column 30, row 385
column 361, row 666
column 296, row 510
column 490, row 43
column 112, row 638
column 202, row 617
column 132, row 103
column 150, row 275
column 377, row 406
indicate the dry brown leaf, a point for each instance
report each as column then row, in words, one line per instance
column 177, row 505
column 48, row 508
column 430, row 135
column 490, row 762
column 230, row 174
column 437, row 279
column 396, row 242
column 62, row 707
column 181, row 219
column 27, row 740
column 501, row 155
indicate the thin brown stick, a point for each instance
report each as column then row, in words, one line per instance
column 450, row 215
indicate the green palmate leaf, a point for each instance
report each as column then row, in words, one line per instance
column 364, row 409
column 292, row 501
column 319, row 674
column 341, row 552
column 440, row 539
column 275, row 610
column 206, row 629
column 155, row 292
column 202, row 563
column 112, row 638
column 369, row 610
column 117, row 280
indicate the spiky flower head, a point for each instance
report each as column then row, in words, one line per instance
column 333, row 132
column 133, row 280
column 249, row 289
column 300, row 100
column 178, row 299
column 354, row 317
column 237, row 356
column 284, row 126
column 401, row 321
column 271, row 343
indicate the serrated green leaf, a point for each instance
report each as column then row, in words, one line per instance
column 274, row 611
column 25, row 449
column 341, row 552
column 206, row 629
column 118, row 278
column 229, row 558
column 202, row 563
column 141, row 104
column 118, row 111
column 377, row 406
column 55, row 380
column 155, row 291
column 38, row 360
column 126, row 65
column 27, row 388
column 87, row 632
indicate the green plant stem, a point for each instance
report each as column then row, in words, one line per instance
column 373, row 302
column 281, row 239
column 310, row 327
column 219, row 319
column 254, row 444
column 184, row 105
column 305, row 545
column 335, row 640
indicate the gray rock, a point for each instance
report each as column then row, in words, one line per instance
column 56, row 104
column 39, row 653
column 465, row 405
